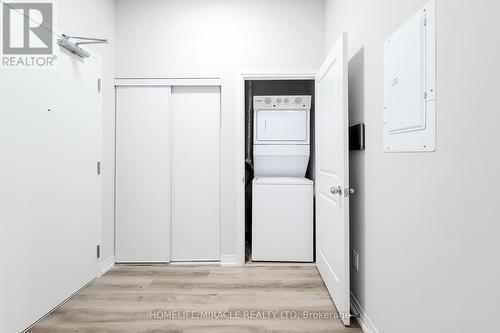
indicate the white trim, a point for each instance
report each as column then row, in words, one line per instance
column 106, row 265
column 195, row 263
column 120, row 82
column 229, row 260
column 221, row 129
column 141, row 263
column 241, row 77
column 251, row 74
column 363, row 320
column 100, row 177
column 57, row 306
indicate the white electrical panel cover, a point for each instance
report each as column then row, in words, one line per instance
column 410, row 85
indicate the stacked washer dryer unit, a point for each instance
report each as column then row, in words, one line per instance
column 282, row 199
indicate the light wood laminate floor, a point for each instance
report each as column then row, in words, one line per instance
column 254, row 298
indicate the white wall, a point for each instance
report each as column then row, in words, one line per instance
column 179, row 38
column 427, row 225
column 96, row 18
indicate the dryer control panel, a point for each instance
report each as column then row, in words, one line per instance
column 282, row 102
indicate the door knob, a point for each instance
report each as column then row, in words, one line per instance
column 336, row 190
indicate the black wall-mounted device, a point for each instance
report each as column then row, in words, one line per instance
column 357, row 137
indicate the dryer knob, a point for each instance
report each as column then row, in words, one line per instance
column 268, row 100
column 298, row 100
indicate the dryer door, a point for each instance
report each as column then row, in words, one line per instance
column 282, row 127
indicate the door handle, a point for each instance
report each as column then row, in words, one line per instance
column 336, row 190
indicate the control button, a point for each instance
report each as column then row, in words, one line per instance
column 287, row 100
column 278, row 100
column 298, row 100
column 268, row 100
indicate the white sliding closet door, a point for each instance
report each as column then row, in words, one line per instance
column 143, row 174
column 195, row 173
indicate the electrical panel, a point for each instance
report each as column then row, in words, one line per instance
column 410, row 85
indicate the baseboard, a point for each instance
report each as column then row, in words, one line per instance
column 229, row 260
column 107, row 264
column 225, row 260
column 363, row 320
column 195, row 263
column 57, row 307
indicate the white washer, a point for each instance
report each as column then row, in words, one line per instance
column 282, row 219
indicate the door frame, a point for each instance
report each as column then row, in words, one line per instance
column 241, row 77
column 214, row 81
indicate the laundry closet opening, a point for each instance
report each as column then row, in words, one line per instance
column 279, row 170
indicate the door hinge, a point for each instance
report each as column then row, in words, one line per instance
column 425, row 95
column 99, row 168
column 349, row 191
column 99, row 85
column 98, row 251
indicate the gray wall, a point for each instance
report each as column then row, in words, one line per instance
column 427, row 225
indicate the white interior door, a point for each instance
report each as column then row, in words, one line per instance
column 50, row 192
column 143, row 174
column 332, row 177
column 195, row 173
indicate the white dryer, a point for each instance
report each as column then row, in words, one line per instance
column 282, row 198
column 281, row 136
